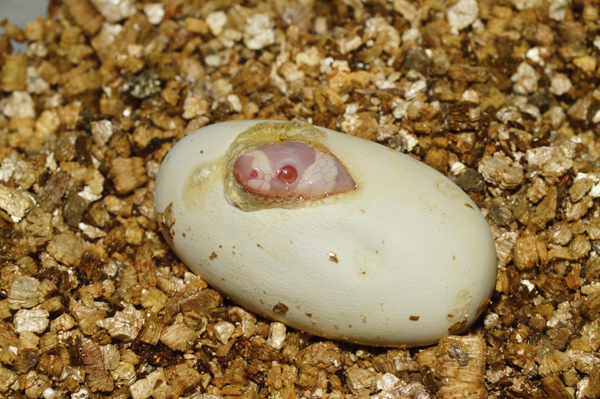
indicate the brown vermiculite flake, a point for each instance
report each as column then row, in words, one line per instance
column 500, row 96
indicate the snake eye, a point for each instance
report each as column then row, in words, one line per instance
column 287, row 174
column 292, row 169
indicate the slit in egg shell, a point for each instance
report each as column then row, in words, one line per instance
column 258, row 158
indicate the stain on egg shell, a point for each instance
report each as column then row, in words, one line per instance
column 357, row 265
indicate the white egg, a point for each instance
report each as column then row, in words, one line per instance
column 403, row 259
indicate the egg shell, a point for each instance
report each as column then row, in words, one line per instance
column 403, row 259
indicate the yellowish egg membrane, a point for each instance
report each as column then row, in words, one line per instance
column 260, row 135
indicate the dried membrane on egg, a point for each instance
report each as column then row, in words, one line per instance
column 349, row 240
column 285, row 163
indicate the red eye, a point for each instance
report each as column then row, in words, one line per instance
column 254, row 173
column 287, row 174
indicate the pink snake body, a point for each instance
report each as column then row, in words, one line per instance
column 292, row 168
